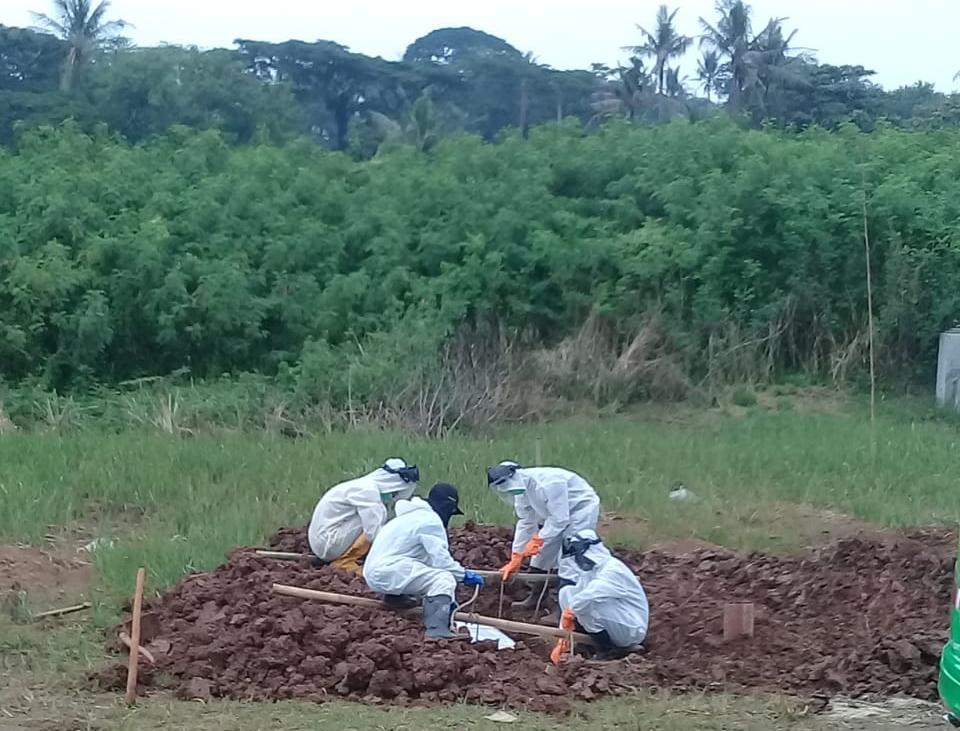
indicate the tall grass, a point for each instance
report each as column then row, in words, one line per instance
column 176, row 504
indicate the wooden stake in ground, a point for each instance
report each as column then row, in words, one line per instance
column 737, row 621
column 501, row 624
column 131, row 696
column 873, row 378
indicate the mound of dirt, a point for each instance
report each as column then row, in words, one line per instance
column 863, row 616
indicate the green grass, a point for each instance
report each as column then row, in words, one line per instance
column 177, row 504
column 640, row 712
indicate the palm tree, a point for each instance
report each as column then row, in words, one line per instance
column 708, row 72
column 624, row 90
column 664, row 44
column 675, row 85
column 83, row 26
column 731, row 38
column 777, row 70
column 419, row 128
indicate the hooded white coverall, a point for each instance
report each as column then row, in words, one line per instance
column 560, row 501
column 411, row 555
column 609, row 597
column 351, row 508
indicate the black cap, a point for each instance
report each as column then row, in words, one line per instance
column 445, row 501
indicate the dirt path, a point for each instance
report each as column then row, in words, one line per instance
column 45, row 576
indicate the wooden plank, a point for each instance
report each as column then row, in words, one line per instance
column 488, row 575
column 61, row 612
column 147, row 655
column 502, row 624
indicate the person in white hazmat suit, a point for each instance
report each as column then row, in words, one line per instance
column 349, row 515
column 607, row 602
column 550, row 503
column 411, row 557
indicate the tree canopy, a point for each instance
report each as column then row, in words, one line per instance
column 475, row 82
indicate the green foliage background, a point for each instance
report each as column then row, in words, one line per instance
column 187, row 254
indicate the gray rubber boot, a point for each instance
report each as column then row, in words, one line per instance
column 436, row 617
column 530, row 603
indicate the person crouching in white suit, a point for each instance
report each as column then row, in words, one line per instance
column 349, row 515
column 607, row 602
column 411, row 557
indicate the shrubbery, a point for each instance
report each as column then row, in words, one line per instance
column 344, row 281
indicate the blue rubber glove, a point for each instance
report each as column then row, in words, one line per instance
column 472, row 579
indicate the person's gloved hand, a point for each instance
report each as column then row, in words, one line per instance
column 568, row 620
column 511, row 566
column 472, row 578
column 533, row 547
column 559, row 650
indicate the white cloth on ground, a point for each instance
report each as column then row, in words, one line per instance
column 609, row 597
column 349, row 509
column 411, row 555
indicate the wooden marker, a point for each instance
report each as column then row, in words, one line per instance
column 132, row 668
column 737, row 620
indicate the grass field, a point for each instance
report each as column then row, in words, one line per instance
column 773, row 476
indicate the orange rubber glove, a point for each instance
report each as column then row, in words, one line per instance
column 533, row 547
column 568, row 620
column 510, row 568
column 559, row 650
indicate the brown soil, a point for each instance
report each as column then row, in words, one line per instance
column 863, row 616
column 49, row 574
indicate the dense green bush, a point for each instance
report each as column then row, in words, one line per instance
column 188, row 255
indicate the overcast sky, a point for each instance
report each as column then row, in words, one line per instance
column 902, row 40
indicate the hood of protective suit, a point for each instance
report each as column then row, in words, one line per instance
column 389, row 483
column 596, row 553
column 412, row 505
column 510, row 486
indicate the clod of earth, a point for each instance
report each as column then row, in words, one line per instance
column 861, row 616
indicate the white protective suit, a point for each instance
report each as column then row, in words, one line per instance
column 609, row 597
column 351, row 508
column 411, row 555
column 556, row 503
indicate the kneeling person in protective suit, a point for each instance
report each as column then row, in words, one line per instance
column 607, row 602
column 411, row 557
column 551, row 503
column 349, row 515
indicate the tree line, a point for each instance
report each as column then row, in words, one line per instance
column 187, row 254
column 77, row 65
